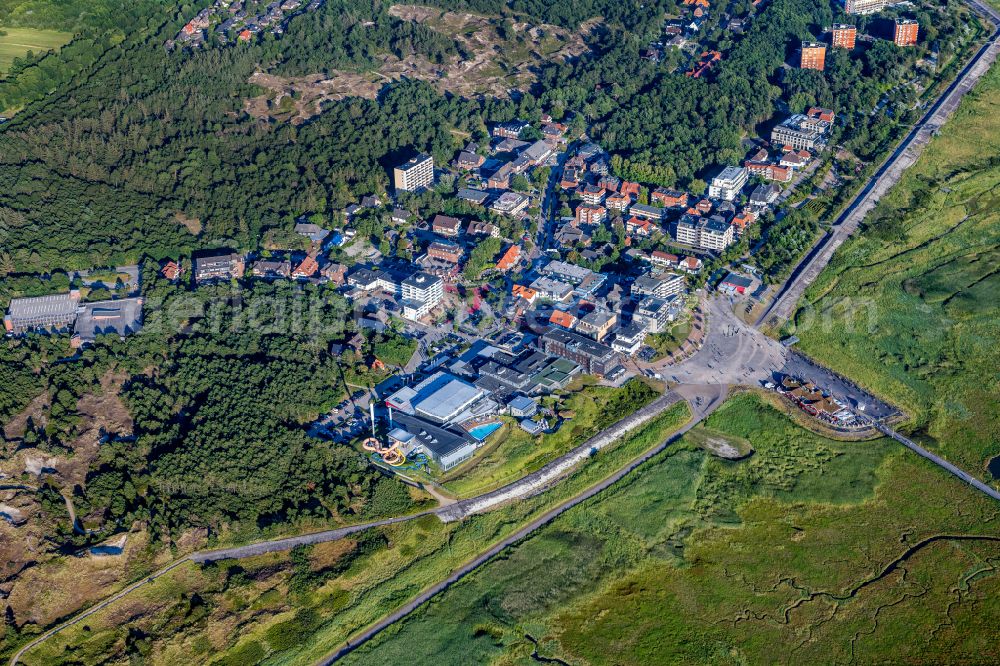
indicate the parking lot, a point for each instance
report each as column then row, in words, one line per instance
column 346, row 420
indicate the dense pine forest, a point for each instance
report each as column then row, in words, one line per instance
column 220, row 412
column 110, row 166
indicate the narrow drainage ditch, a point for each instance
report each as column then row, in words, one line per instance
column 539, row 658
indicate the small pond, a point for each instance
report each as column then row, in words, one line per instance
column 993, row 467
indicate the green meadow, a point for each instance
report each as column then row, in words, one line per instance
column 911, row 306
column 294, row 608
column 16, row 42
column 511, row 453
column 799, row 554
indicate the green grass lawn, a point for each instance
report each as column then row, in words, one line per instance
column 18, row 41
column 658, row 571
column 187, row 615
column 511, row 452
column 668, row 341
column 909, row 307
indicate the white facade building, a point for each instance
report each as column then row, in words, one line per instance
column 421, row 292
column 415, row 174
column 728, row 183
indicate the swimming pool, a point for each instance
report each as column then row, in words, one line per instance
column 481, row 432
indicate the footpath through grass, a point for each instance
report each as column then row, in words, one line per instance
column 296, row 607
column 774, row 559
column 909, row 307
column 584, row 410
column 18, row 41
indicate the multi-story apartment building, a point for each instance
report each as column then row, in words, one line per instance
column 716, row 234
column 769, row 171
column 728, row 183
column 566, row 272
column 421, row 292
column 218, row 267
column 655, row 314
column 864, row 6
column 553, row 290
column 661, row 285
column 445, row 251
column 669, row 198
column 591, row 214
column 813, row 56
column 629, row 339
column 905, row 32
column 500, row 180
column 511, row 129
column 597, row 324
column 646, row 212
column 445, row 225
column 417, row 173
column 843, row 36
column 687, row 229
column 712, row 233
column 592, row 356
column 592, row 194
column 618, row 201
column 801, row 133
column 510, row 203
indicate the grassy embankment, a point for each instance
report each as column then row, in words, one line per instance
column 18, row 41
column 293, row 609
column 909, row 307
column 669, row 341
column 510, row 453
column 775, row 559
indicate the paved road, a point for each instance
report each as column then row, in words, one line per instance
column 705, row 397
column 733, row 352
column 715, row 398
column 745, row 338
column 786, row 299
column 276, row 545
column 552, row 473
column 840, row 387
column 525, row 487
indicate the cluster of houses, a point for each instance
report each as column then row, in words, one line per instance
column 683, row 32
column 711, row 223
column 592, row 318
column 239, row 20
column 510, row 155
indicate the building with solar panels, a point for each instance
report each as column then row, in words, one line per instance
column 42, row 313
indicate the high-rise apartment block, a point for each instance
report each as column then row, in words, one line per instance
column 843, row 36
column 813, row 56
column 864, row 6
column 906, row 32
column 415, row 174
